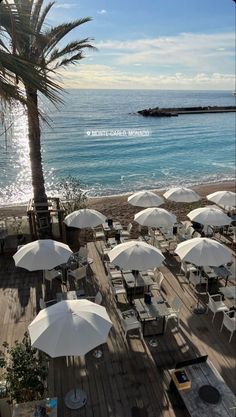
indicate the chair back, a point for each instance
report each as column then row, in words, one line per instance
column 151, row 232
column 51, row 274
column 98, row 298
column 232, row 269
column 159, row 277
column 176, row 304
column 42, row 303
column 184, row 268
column 194, row 279
column 80, row 272
column 229, row 322
column 129, row 227
column 212, row 304
column 83, row 252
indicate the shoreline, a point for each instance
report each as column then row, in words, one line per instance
column 118, row 207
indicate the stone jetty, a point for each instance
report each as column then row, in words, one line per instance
column 176, row 111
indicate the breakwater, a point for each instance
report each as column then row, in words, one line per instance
column 176, row 111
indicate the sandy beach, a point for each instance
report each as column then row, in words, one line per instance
column 117, row 207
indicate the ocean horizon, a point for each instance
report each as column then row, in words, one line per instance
column 97, row 137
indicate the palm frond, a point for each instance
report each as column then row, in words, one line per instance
column 43, row 15
column 70, row 48
column 66, row 61
column 35, row 13
column 53, row 36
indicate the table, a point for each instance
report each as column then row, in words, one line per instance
column 27, row 409
column 151, row 312
column 135, row 284
column 206, row 374
column 70, row 295
column 111, row 242
column 115, row 226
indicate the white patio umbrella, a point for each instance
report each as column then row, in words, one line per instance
column 203, row 252
column 209, row 215
column 70, row 328
column 181, row 194
column 145, row 199
column 155, row 217
column 84, row 218
column 42, row 254
column 223, row 198
column 136, row 255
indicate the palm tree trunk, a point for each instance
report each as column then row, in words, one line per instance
column 34, row 134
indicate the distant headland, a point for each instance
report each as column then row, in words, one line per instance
column 176, row 111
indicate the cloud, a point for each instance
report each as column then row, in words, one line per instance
column 103, row 11
column 188, row 50
column 105, row 76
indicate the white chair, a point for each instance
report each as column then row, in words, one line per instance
column 98, row 298
column 229, row 323
column 129, row 321
column 43, row 304
column 195, row 279
column 116, row 288
column 153, row 272
column 125, row 232
column 174, row 310
column 98, row 234
column 232, row 269
column 186, row 268
column 157, row 281
column 50, row 274
column 164, row 245
column 83, row 253
column 215, row 304
column 172, row 246
column 78, row 273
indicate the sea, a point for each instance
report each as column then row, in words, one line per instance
column 97, row 137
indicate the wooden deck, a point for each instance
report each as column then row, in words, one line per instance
column 131, row 378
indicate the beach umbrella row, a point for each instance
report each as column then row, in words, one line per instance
column 150, row 199
column 180, row 195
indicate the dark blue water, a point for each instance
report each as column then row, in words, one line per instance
column 97, row 137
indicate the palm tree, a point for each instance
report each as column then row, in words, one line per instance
column 32, row 41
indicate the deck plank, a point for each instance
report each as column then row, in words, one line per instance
column 131, row 378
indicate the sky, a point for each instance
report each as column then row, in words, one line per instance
column 152, row 44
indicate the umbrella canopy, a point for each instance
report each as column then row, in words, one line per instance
column 145, row 199
column 182, row 194
column 223, row 198
column 155, row 217
column 84, row 218
column 203, row 252
column 136, row 255
column 212, row 216
column 70, row 328
column 42, row 254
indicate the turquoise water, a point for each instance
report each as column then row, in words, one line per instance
column 97, row 137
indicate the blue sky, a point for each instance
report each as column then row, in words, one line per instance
column 153, row 44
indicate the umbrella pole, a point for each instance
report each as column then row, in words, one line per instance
column 74, row 380
column 75, row 398
column 199, row 310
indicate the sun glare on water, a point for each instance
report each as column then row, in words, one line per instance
column 16, row 170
